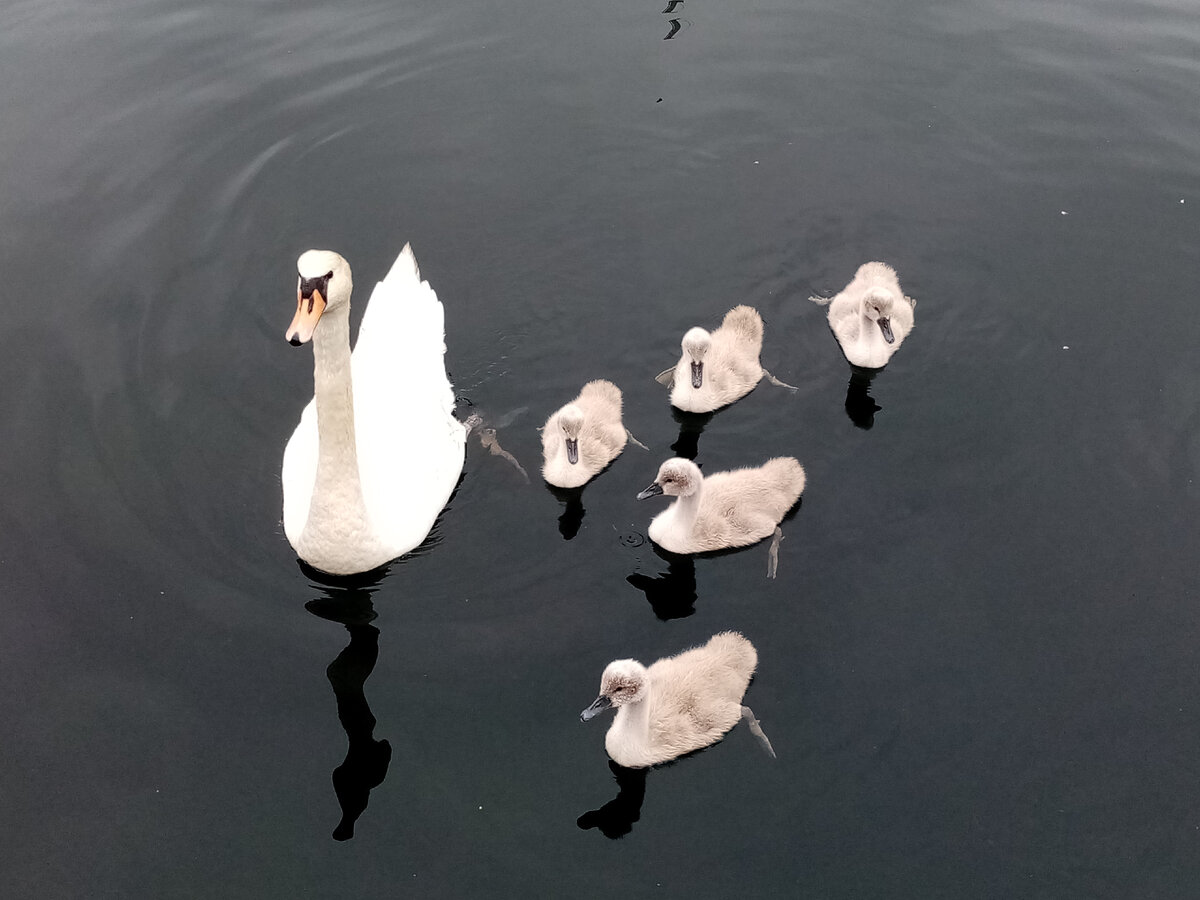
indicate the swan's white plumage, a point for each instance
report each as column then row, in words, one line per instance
column 594, row 418
column 725, row 509
column 407, row 446
column 679, row 704
column 854, row 314
column 730, row 362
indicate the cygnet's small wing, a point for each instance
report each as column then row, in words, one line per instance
column 773, row 553
column 629, row 434
column 756, row 730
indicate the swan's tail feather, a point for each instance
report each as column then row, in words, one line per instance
column 739, row 652
column 788, row 476
column 745, row 323
column 603, row 391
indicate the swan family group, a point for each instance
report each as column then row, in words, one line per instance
column 378, row 452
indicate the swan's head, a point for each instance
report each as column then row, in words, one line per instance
column 624, row 681
column 877, row 307
column 695, row 347
column 676, row 478
column 570, row 421
column 324, row 284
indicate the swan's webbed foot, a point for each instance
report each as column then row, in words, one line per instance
column 773, row 553
column 629, row 434
column 487, row 439
column 666, row 378
column 775, row 381
column 756, row 730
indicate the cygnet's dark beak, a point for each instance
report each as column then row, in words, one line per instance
column 572, row 450
column 885, row 325
column 653, row 491
column 697, row 374
column 601, row 703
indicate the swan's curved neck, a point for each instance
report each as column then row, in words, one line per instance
column 631, row 730
column 337, row 491
column 687, row 508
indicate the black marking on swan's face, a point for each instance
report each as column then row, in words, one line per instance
column 320, row 284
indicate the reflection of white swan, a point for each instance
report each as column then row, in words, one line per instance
column 871, row 316
column 584, row 436
column 726, row 509
column 677, row 705
column 378, row 451
column 718, row 368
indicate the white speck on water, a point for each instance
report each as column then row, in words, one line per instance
column 1065, row 347
column 1063, row 212
column 481, row 807
column 756, row 162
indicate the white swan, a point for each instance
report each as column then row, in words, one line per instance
column 718, row 368
column 677, row 705
column 584, row 436
column 378, row 451
column 871, row 317
column 726, row 509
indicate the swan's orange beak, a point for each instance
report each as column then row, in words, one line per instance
column 308, row 311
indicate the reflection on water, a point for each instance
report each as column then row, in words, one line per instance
column 572, row 517
column 691, row 425
column 860, row 406
column 671, row 594
column 367, row 759
column 616, row 817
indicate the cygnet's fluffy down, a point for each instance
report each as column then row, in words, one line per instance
column 871, row 317
column 726, row 509
column 677, row 705
column 719, row 367
column 584, row 436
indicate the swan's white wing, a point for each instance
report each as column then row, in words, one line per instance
column 410, row 446
column 299, row 473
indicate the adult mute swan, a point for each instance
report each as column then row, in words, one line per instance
column 679, row 704
column 726, row 509
column 583, row 437
column 378, row 451
column 871, row 317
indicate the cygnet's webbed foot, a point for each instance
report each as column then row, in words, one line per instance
column 756, row 730
column 489, row 441
column 775, row 381
column 773, row 553
column 666, row 378
column 629, row 434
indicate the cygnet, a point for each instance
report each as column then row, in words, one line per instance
column 679, row 704
column 726, row 509
column 871, row 317
column 719, row 367
column 584, row 436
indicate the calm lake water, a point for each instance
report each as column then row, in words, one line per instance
column 979, row 663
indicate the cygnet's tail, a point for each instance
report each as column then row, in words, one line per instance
column 601, row 393
column 735, row 652
column 786, row 475
column 746, row 324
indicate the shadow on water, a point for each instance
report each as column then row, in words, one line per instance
column 691, row 425
column 572, row 517
column 616, row 817
column 860, row 406
column 671, row 594
column 347, row 601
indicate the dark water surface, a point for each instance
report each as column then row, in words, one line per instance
column 979, row 663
